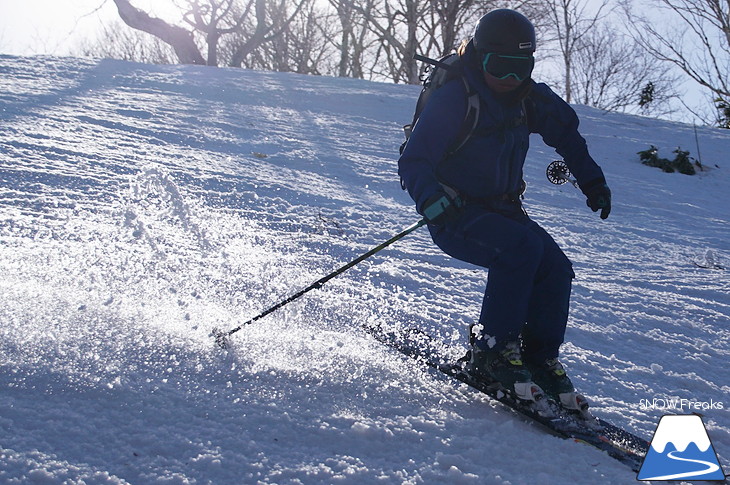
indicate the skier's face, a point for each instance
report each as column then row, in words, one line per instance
column 501, row 86
column 504, row 72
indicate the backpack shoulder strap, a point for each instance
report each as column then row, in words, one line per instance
column 471, row 119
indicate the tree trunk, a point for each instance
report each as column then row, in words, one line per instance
column 178, row 38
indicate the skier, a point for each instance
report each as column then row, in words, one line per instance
column 471, row 198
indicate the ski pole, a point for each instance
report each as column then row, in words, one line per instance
column 221, row 337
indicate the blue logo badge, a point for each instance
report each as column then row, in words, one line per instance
column 681, row 450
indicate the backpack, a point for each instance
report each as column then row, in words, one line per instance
column 442, row 71
column 439, row 73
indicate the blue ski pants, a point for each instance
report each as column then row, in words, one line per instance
column 529, row 282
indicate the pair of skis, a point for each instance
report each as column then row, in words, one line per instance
column 618, row 443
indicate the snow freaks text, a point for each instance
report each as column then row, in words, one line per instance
column 680, row 404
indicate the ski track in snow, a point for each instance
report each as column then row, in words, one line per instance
column 141, row 206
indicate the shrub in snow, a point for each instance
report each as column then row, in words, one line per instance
column 682, row 162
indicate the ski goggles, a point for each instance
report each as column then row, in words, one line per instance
column 503, row 66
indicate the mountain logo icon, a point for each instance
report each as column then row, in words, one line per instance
column 681, row 450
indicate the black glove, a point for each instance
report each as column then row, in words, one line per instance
column 440, row 208
column 599, row 196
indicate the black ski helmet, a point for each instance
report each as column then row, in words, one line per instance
column 505, row 31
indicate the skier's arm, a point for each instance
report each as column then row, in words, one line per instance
column 557, row 123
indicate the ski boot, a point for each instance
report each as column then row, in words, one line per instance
column 505, row 368
column 550, row 375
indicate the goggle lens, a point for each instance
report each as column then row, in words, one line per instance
column 503, row 66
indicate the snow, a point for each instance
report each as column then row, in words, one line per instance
column 680, row 431
column 142, row 206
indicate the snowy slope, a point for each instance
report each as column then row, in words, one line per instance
column 141, row 206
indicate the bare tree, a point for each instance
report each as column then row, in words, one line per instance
column 697, row 42
column 396, row 25
column 253, row 22
column 270, row 19
column 346, row 15
column 611, row 72
column 213, row 19
column 571, row 21
column 303, row 45
column 118, row 41
column 352, row 35
column 450, row 20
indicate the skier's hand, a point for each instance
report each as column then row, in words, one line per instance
column 440, row 209
column 598, row 196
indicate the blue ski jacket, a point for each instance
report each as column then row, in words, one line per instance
column 489, row 165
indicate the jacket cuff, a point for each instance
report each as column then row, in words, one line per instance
column 592, row 184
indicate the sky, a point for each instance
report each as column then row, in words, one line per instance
column 56, row 27
column 48, row 26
